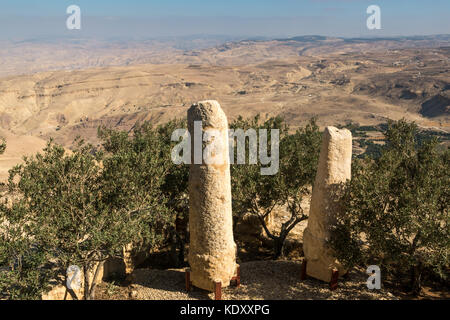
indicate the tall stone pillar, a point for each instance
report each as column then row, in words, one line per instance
column 334, row 167
column 212, row 251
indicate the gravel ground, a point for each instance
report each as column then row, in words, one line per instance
column 260, row 280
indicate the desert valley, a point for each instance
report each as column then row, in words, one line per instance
column 69, row 88
column 64, row 88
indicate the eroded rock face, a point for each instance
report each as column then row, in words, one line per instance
column 334, row 168
column 212, row 250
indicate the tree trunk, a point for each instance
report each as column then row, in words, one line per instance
column 181, row 250
column 173, row 247
column 94, row 280
column 279, row 245
column 69, row 291
column 86, row 282
column 416, row 281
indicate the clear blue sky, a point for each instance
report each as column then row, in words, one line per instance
column 152, row 18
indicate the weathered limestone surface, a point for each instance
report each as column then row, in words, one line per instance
column 212, row 250
column 334, row 167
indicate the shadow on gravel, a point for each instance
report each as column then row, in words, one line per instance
column 260, row 280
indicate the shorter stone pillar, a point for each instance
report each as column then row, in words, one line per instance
column 334, row 168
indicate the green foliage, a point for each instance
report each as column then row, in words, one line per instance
column 396, row 208
column 81, row 208
column 373, row 150
column 142, row 177
column 133, row 174
column 20, row 258
column 23, row 274
column 175, row 187
column 260, row 194
column 2, row 145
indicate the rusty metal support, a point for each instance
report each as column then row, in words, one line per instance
column 218, row 290
column 217, row 285
column 237, row 277
column 334, row 279
column 303, row 271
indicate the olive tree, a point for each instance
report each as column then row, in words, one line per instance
column 395, row 208
column 81, row 208
column 24, row 272
column 139, row 166
column 260, row 194
column 20, row 258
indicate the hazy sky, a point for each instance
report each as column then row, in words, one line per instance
column 272, row 18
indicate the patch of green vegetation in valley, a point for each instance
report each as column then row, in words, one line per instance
column 365, row 141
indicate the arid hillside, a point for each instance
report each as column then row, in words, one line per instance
column 335, row 79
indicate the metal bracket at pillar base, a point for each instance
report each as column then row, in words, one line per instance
column 187, row 275
column 217, row 285
column 217, row 290
column 303, row 271
column 237, row 277
column 334, row 279
column 334, row 276
column 236, row 281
